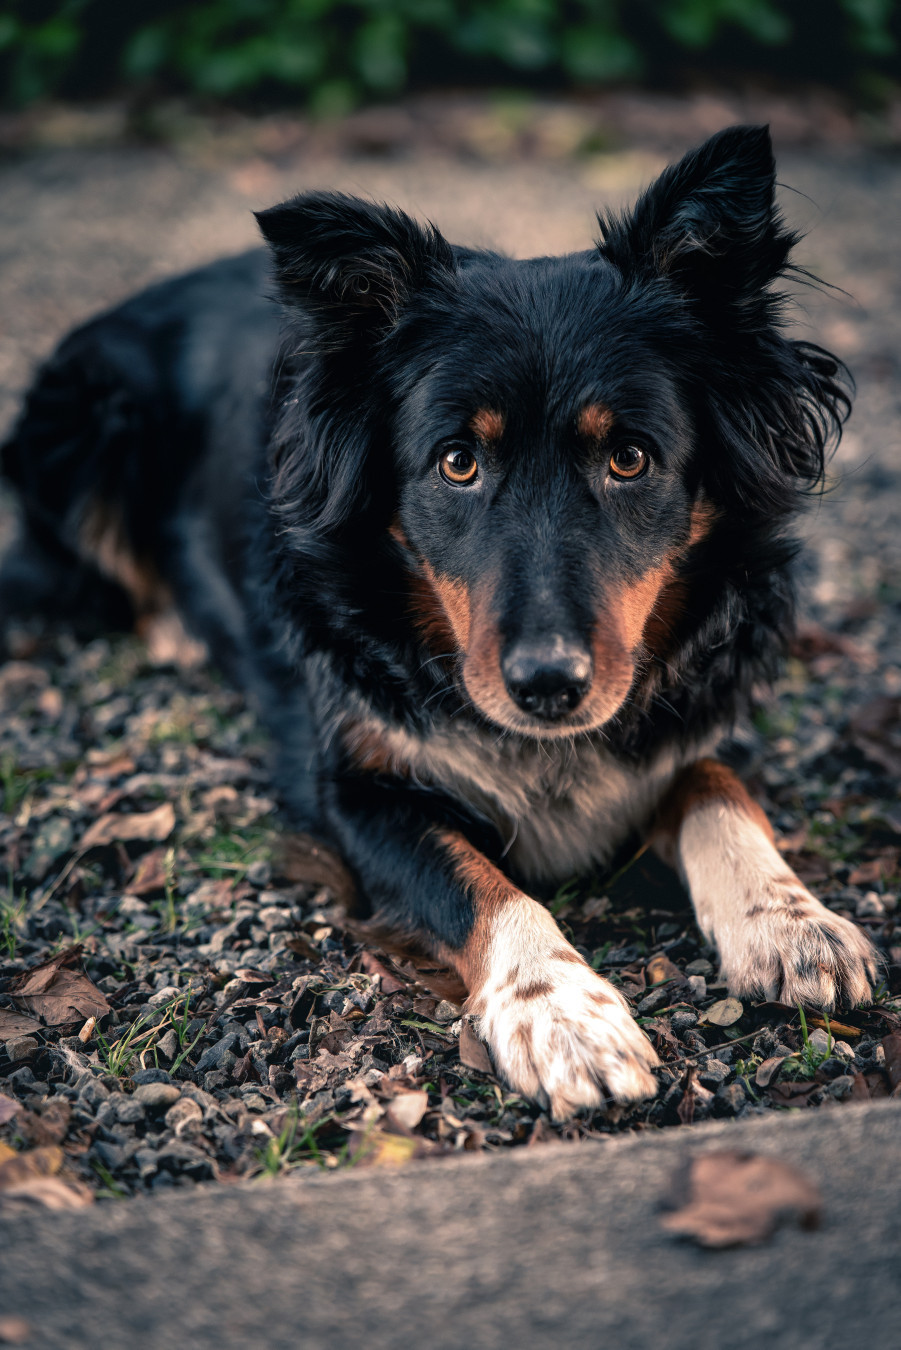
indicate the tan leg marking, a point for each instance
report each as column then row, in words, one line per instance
column 557, row 1031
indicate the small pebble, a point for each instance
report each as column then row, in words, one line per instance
column 700, row 966
column 157, row 1096
column 713, row 1073
column 697, row 988
column 870, row 906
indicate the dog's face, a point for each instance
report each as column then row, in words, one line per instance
column 545, row 488
column 550, row 440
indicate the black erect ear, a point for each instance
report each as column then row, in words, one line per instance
column 351, row 261
column 708, row 223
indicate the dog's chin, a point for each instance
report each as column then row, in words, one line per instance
column 506, row 717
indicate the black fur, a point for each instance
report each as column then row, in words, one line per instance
column 261, row 475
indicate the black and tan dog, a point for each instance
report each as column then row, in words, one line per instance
column 499, row 546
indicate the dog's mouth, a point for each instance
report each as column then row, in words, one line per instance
column 549, row 689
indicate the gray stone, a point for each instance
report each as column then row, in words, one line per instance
column 157, row 1096
column 22, row 1048
column 150, row 1076
column 657, row 998
column 714, row 1073
column 213, row 1056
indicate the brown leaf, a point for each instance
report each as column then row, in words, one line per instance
column 150, row 826
column 150, row 875
column 661, row 968
column 407, row 1109
column 23, row 1167
column 48, row 1127
column 872, row 872
column 769, row 1070
column 730, row 1198
column 892, row 1047
column 15, row 1024
column 791, row 1094
column 373, row 966
column 8, row 1108
column 58, row 994
column 841, row 1030
column 51, row 1192
column 473, row 1052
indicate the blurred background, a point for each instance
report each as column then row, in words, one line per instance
column 136, row 139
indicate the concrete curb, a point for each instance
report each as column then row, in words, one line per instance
column 558, row 1247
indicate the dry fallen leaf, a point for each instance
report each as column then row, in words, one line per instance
column 48, row 1127
column 892, row 1047
column 661, row 968
column 407, row 1109
column 15, row 1024
column 58, row 994
column 768, row 1071
column 150, row 874
column 727, row 1198
column 8, row 1108
column 472, row 1052
column 724, row 1013
column 148, row 826
column 37, row 1162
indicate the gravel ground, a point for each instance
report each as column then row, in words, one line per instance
column 173, row 1007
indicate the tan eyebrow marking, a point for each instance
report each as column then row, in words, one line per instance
column 594, row 421
column 488, row 424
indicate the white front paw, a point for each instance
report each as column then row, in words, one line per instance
column 789, row 947
column 566, row 1037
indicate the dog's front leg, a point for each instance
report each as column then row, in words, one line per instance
column 773, row 937
column 557, row 1031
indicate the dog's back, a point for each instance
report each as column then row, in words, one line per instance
column 134, row 458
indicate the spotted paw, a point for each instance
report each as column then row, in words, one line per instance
column 557, row 1031
column 789, row 947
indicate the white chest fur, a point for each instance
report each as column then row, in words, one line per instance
column 561, row 806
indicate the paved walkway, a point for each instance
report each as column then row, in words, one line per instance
column 559, row 1249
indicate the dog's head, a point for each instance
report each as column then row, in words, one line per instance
column 548, row 447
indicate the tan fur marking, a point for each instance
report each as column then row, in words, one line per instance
column 370, row 752
column 704, row 782
column 102, row 538
column 594, row 421
column 704, row 516
column 489, row 890
column 488, row 425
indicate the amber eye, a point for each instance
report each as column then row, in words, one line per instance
column 458, row 466
column 629, row 461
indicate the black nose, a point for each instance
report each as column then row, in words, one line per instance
column 547, row 679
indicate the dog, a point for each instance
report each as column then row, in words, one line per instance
column 499, row 547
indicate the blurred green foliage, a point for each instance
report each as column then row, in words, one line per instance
column 331, row 53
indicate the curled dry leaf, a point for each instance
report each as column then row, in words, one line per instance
column 473, row 1052
column 148, row 826
column 407, row 1109
column 768, row 1071
column 727, row 1198
column 57, row 993
column 661, row 968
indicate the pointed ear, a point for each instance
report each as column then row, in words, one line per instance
column 349, row 260
column 709, row 223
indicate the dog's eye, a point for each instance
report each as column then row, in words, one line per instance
column 458, row 466
column 629, row 461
